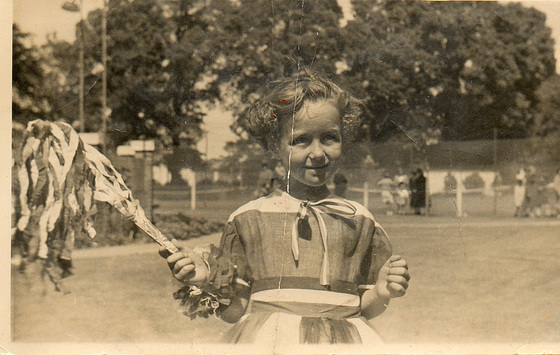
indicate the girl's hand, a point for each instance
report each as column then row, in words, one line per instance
column 393, row 278
column 186, row 266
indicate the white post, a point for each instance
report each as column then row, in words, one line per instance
column 459, row 196
column 366, row 194
column 193, row 191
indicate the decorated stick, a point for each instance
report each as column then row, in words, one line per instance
column 110, row 188
column 73, row 173
column 66, row 152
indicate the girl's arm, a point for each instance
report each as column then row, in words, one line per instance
column 391, row 282
column 373, row 304
column 189, row 267
column 238, row 305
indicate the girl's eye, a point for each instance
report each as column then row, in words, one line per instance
column 332, row 137
column 299, row 140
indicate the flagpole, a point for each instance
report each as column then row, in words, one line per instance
column 104, row 110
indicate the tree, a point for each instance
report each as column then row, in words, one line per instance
column 243, row 160
column 456, row 69
column 28, row 101
column 143, row 91
column 146, row 97
column 548, row 109
column 243, row 44
column 425, row 70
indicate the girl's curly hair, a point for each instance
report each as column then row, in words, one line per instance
column 285, row 98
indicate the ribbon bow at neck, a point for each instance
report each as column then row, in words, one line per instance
column 328, row 206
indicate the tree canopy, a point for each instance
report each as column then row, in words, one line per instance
column 431, row 70
column 547, row 118
column 28, row 77
column 427, row 71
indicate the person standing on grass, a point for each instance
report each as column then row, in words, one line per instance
column 279, row 175
column 265, row 180
column 532, row 195
column 340, row 184
column 402, row 199
column 519, row 197
column 555, row 186
column 418, row 190
column 386, row 185
column 301, row 265
column 401, row 177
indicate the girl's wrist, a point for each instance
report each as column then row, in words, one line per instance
column 202, row 267
column 382, row 293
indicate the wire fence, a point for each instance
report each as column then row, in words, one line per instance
column 486, row 170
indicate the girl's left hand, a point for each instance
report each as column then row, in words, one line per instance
column 393, row 277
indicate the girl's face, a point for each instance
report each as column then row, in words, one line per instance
column 311, row 144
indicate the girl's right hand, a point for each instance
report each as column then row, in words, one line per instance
column 186, row 266
column 393, row 278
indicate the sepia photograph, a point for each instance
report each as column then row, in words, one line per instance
column 282, row 177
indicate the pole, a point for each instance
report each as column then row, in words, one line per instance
column 81, row 66
column 366, row 194
column 427, row 199
column 459, row 196
column 193, row 192
column 495, row 156
column 206, row 146
column 104, row 112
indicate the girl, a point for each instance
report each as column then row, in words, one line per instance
column 402, row 198
column 301, row 265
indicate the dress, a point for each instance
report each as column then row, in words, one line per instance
column 340, row 184
column 265, row 182
column 386, row 184
column 418, row 187
column 402, row 197
column 276, row 244
column 519, row 195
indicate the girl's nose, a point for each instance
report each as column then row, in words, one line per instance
column 316, row 150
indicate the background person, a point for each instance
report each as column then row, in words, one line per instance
column 340, row 184
column 519, row 197
column 265, row 181
column 401, row 177
column 386, row 185
column 279, row 175
column 418, row 191
column 402, row 198
column 555, row 184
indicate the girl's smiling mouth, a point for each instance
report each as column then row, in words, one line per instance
column 316, row 167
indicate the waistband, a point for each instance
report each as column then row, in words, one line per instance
column 307, row 283
column 307, row 303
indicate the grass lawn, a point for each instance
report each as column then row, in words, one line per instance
column 472, row 281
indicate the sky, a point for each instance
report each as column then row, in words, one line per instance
column 42, row 17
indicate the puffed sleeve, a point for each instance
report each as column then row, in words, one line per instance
column 228, row 263
column 379, row 252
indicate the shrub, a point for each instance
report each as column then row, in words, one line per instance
column 113, row 229
column 474, row 181
column 183, row 227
